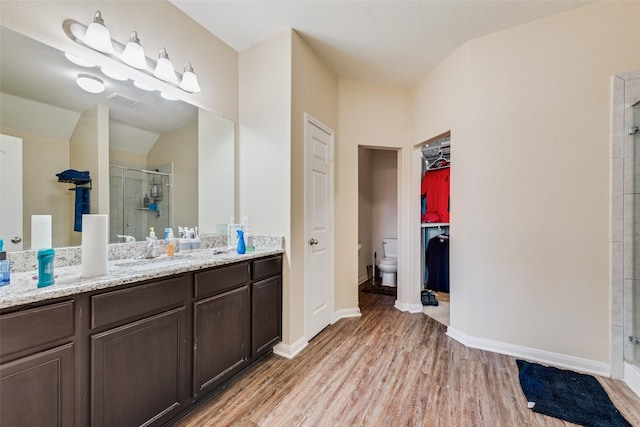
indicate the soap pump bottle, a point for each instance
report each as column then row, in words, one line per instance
column 170, row 244
column 242, row 248
column 5, row 266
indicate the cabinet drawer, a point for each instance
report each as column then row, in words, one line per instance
column 221, row 279
column 35, row 327
column 267, row 267
column 136, row 301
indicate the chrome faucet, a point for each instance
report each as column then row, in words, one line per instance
column 127, row 239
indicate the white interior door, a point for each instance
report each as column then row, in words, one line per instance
column 11, row 192
column 318, row 226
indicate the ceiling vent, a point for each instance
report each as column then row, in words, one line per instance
column 122, row 100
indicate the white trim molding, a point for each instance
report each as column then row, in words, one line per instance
column 546, row 357
column 290, row 351
column 632, row 377
column 407, row 306
column 345, row 313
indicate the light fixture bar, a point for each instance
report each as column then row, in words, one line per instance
column 132, row 55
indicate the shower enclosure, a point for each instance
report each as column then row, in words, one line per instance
column 634, row 132
column 625, row 229
column 139, row 199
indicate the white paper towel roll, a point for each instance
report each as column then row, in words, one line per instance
column 40, row 231
column 95, row 245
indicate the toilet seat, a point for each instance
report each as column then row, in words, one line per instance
column 389, row 261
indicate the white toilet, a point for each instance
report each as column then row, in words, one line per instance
column 388, row 264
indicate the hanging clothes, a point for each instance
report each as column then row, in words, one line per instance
column 437, row 259
column 435, row 191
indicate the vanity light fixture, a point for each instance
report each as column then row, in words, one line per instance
column 133, row 53
column 143, row 86
column 91, row 84
column 168, row 97
column 114, row 75
column 79, row 61
column 189, row 80
column 164, row 68
column 98, row 36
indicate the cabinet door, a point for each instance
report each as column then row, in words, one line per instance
column 266, row 302
column 139, row 371
column 221, row 338
column 38, row 390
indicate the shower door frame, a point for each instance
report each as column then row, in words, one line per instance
column 626, row 93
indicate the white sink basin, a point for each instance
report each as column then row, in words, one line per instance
column 153, row 262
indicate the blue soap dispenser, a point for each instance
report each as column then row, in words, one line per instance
column 5, row 266
column 242, row 248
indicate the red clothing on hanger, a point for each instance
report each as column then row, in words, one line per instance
column 435, row 187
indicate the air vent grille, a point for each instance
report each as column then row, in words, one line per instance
column 123, row 100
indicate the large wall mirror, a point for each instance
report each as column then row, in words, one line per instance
column 153, row 161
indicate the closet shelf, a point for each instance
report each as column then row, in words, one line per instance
column 434, row 224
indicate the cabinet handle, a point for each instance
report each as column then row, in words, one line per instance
column 313, row 241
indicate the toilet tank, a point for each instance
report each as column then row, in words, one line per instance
column 390, row 247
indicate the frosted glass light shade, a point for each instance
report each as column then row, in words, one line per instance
column 133, row 53
column 90, row 83
column 168, row 97
column 142, row 86
column 189, row 80
column 98, row 36
column 79, row 61
column 164, row 68
column 114, row 75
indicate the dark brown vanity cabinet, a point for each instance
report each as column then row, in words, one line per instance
column 139, row 359
column 221, row 322
column 266, row 305
column 37, row 369
column 138, row 354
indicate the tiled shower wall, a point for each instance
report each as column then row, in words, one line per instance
column 127, row 213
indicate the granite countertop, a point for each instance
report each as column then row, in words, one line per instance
column 68, row 281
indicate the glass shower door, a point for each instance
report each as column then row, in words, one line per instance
column 633, row 130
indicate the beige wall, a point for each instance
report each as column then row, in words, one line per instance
column 365, row 211
column 89, row 151
column 44, row 157
column 265, row 152
column 180, row 147
column 370, row 116
column 314, row 92
column 128, row 158
column 384, row 175
column 529, row 113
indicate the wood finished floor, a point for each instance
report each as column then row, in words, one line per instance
column 387, row 368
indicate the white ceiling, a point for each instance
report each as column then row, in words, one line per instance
column 392, row 42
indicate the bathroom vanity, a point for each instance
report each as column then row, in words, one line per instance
column 137, row 347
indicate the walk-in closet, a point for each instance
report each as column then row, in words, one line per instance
column 435, row 210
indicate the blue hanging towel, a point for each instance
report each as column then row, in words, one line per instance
column 82, row 206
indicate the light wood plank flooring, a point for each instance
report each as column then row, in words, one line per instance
column 387, row 368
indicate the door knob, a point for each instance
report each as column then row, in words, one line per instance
column 16, row 240
column 313, row 241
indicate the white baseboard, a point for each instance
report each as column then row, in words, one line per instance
column 546, row 357
column 405, row 306
column 632, row 378
column 290, row 351
column 362, row 280
column 344, row 313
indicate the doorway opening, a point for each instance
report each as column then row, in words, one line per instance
column 378, row 234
